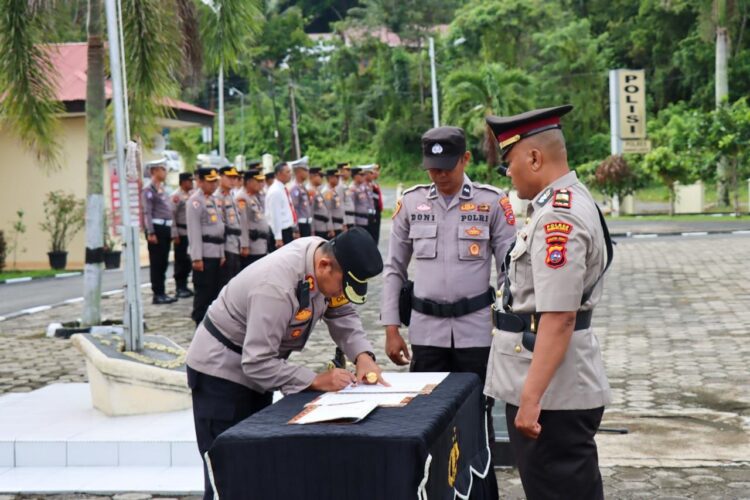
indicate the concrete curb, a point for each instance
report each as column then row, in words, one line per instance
column 10, row 281
column 630, row 234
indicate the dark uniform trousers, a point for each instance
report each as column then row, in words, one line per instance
column 287, row 236
column 207, row 284
column 305, row 229
column 158, row 257
column 246, row 261
column 562, row 463
column 182, row 264
column 232, row 266
column 374, row 227
column 219, row 404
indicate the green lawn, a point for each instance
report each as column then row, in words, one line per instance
column 36, row 273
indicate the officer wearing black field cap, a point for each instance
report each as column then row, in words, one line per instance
column 545, row 361
column 253, row 217
column 238, row 356
column 334, row 202
column 206, row 239
column 182, row 265
column 157, row 222
column 236, row 244
column 452, row 229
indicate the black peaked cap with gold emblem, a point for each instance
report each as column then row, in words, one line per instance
column 359, row 258
column 208, row 174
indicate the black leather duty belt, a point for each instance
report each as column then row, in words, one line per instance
column 213, row 239
column 337, row 220
column 182, row 226
column 321, row 218
column 456, row 309
column 233, row 231
column 528, row 322
column 215, row 333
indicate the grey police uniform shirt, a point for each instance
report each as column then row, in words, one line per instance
column 301, row 203
column 156, row 205
column 204, row 219
column 452, row 245
column 231, row 216
column 322, row 222
column 259, row 311
column 335, row 206
column 254, row 222
column 362, row 203
column 179, row 212
column 343, row 190
column 558, row 256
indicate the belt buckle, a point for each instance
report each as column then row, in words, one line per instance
column 493, row 311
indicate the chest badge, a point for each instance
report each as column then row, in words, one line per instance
column 310, row 281
column 474, row 249
column 303, row 315
column 296, row 333
column 424, row 207
column 473, row 231
column 467, row 207
column 483, row 207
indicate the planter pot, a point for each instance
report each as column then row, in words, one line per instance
column 112, row 259
column 57, row 260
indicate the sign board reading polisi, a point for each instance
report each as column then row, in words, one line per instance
column 631, row 86
column 636, row 146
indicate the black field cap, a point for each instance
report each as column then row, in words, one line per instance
column 254, row 173
column 229, row 171
column 253, row 163
column 356, row 170
column 186, row 176
column 208, row 174
column 508, row 130
column 331, row 172
column 359, row 258
column 344, row 164
column 442, row 147
column 315, row 170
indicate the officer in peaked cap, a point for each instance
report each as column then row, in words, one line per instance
column 452, row 228
column 238, row 356
column 345, row 177
column 206, row 241
column 333, row 200
column 301, row 198
column 182, row 265
column 545, row 360
column 157, row 222
column 253, row 217
column 236, row 244
column 322, row 222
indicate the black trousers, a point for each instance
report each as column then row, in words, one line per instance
column 231, row 268
column 158, row 257
column 305, row 229
column 207, row 284
column 182, row 263
column 426, row 358
column 374, row 227
column 246, row 261
column 563, row 462
column 219, row 404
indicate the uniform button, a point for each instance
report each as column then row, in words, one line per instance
column 518, row 348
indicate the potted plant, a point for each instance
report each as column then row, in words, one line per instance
column 64, row 217
column 111, row 253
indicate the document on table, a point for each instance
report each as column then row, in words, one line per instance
column 419, row 383
column 348, row 413
column 390, row 399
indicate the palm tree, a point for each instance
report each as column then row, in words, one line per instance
column 156, row 47
column 490, row 90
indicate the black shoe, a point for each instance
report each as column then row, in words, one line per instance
column 184, row 293
column 163, row 299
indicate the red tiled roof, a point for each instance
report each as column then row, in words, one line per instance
column 70, row 62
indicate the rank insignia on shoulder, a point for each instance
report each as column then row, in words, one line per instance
column 466, row 191
column 338, row 301
column 397, row 209
column 467, row 207
column 303, row 315
column 473, row 231
column 562, row 198
column 483, row 207
column 558, row 227
column 545, row 196
column 510, row 217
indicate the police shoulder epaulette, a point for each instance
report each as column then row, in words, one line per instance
column 414, row 188
column 562, row 198
column 489, row 187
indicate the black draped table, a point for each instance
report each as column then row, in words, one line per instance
column 435, row 447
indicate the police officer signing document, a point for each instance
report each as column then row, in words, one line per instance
column 545, row 360
column 238, row 356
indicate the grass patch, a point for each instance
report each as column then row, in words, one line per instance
column 680, row 217
column 35, row 273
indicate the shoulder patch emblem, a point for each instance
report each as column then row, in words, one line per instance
column 562, row 198
column 397, row 210
column 556, row 257
column 467, row 207
column 510, row 217
column 558, row 227
column 473, row 231
column 424, row 207
column 483, row 207
column 149, row 194
column 545, row 196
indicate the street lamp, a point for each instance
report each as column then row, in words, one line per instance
column 234, row 92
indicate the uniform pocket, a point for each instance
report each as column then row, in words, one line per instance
column 473, row 242
column 424, row 237
column 520, row 266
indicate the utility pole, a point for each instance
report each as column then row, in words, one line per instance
column 233, row 92
column 433, row 78
column 133, row 321
column 276, row 134
column 295, row 131
column 721, row 91
column 221, row 111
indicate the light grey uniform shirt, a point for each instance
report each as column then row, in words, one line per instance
column 452, row 245
column 301, row 202
column 156, row 205
column 322, row 222
column 232, row 221
column 253, row 221
column 558, row 256
column 258, row 310
column 179, row 212
column 204, row 219
column 343, row 190
column 363, row 208
column 335, row 206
